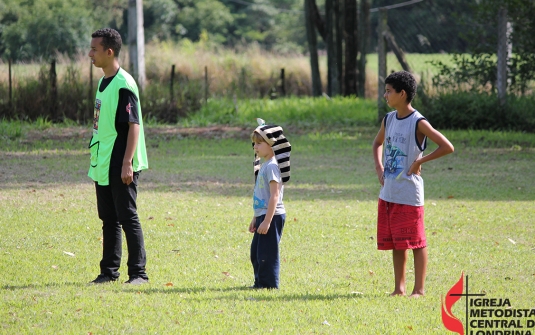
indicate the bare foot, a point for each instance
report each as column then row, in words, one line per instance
column 417, row 294
column 397, row 293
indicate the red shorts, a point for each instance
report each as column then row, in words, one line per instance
column 400, row 226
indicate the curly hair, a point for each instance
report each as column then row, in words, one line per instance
column 111, row 39
column 403, row 80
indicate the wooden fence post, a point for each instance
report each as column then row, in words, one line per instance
column 172, row 95
column 283, row 84
column 53, row 97
column 10, row 88
column 206, row 84
column 243, row 83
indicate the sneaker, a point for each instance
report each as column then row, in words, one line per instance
column 102, row 278
column 136, row 281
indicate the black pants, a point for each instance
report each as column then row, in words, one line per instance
column 265, row 253
column 117, row 208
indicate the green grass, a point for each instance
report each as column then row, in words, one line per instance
column 299, row 112
column 420, row 63
column 195, row 204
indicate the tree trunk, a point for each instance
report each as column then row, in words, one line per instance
column 317, row 20
column 332, row 68
column 136, row 41
column 339, row 20
column 312, row 46
column 363, row 33
column 381, row 55
column 400, row 55
column 351, row 41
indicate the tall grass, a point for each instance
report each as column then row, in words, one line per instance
column 298, row 112
column 244, row 73
column 234, row 77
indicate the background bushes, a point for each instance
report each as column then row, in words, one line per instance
column 470, row 110
column 34, row 98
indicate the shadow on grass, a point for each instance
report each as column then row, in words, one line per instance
column 472, row 191
column 498, row 181
column 43, row 286
column 255, row 294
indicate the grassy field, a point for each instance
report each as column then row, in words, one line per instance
column 225, row 67
column 195, row 206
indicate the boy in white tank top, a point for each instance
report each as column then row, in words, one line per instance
column 400, row 221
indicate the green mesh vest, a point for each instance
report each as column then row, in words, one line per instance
column 104, row 133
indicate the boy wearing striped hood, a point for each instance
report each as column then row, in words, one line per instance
column 269, row 144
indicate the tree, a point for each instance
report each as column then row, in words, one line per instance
column 333, row 79
column 351, row 43
column 338, row 31
column 272, row 24
column 363, row 33
column 212, row 16
column 478, row 67
column 108, row 13
column 310, row 11
column 44, row 28
column 161, row 21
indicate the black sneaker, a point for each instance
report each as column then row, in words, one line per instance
column 136, row 281
column 102, row 278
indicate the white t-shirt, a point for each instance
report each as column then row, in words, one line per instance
column 269, row 171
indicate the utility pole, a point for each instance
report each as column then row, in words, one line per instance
column 504, row 54
column 136, row 42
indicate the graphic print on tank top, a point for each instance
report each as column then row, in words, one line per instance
column 96, row 115
column 395, row 158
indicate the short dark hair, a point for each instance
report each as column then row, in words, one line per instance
column 111, row 39
column 403, row 80
column 257, row 138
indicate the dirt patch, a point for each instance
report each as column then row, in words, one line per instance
column 201, row 132
column 66, row 133
column 59, row 134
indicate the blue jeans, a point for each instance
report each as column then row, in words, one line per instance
column 118, row 211
column 265, row 253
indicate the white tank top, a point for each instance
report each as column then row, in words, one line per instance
column 400, row 150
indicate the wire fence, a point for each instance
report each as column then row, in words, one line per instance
column 411, row 43
column 421, row 43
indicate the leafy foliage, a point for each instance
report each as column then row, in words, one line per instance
column 44, row 29
column 39, row 29
column 473, row 110
column 476, row 71
column 207, row 15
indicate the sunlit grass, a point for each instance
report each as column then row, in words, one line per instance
column 195, row 203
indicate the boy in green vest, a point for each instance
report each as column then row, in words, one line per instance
column 118, row 154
